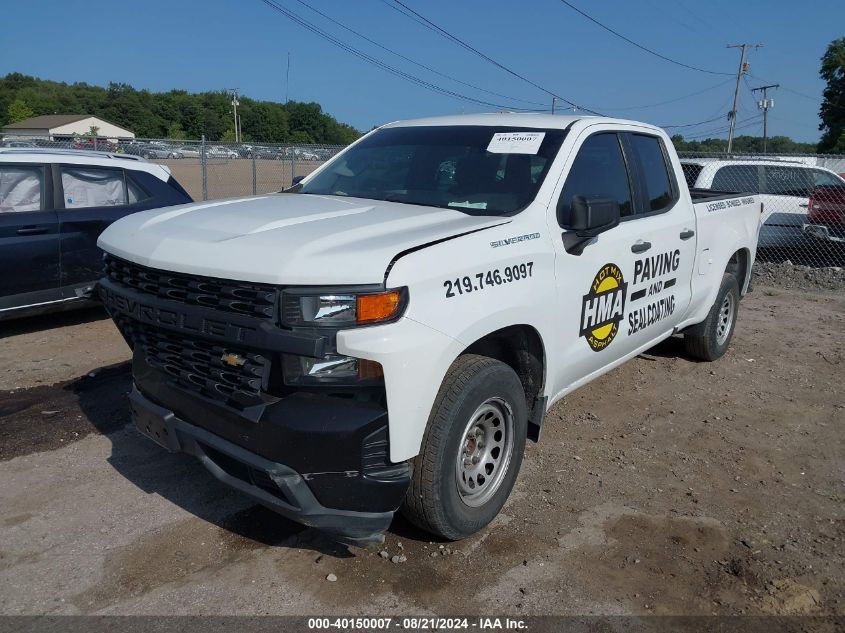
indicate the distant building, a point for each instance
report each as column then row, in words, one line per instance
column 59, row 126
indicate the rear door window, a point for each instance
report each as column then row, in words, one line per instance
column 659, row 192
column 21, row 188
column 738, row 178
column 93, row 187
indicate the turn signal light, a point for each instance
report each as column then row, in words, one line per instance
column 378, row 307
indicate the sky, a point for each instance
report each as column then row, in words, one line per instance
column 200, row 45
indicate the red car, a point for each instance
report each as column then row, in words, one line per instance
column 826, row 214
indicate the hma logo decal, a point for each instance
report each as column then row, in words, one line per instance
column 603, row 307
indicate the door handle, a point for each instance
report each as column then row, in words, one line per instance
column 687, row 233
column 33, row 230
column 640, row 247
column 804, row 205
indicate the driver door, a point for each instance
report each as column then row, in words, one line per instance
column 630, row 284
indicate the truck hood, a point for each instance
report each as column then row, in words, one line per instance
column 285, row 238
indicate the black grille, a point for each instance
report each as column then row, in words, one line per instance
column 199, row 365
column 257, row 300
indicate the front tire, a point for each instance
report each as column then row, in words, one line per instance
column 709, row 340
column 471, row 451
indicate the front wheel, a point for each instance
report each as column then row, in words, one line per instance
column 710, row 339
column 471, row 451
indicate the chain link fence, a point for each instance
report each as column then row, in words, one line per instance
column 803, row 200
column 206, row 170
column 803, row 195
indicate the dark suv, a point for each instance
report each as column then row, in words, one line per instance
column 53, row 206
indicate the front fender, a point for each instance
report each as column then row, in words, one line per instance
column 415, row 358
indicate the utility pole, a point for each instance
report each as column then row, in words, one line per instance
column 287, row 80
column 764, row 104
column 743, row 68
column 235, row 104
column 554, row 102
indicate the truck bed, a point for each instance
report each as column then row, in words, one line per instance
column 711, row 195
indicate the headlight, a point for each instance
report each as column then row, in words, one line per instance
column 342, row 309
column 335, row 370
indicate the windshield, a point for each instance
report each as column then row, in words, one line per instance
column 480, row 170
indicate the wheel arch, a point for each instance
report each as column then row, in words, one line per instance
column 521, row 348
column 739, row 265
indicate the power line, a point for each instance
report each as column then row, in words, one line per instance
column 665, row 12
column 675, row 100
column 706, row 23
column 745, row 123
column 800, row 94
column 412, row 61
column 410, row 13
column 640, row 46
column 674, row 127
column 377, row 62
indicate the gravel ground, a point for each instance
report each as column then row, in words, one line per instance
column 667, row 486
column 788, row 275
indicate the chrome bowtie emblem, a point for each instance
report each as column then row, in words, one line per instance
column 234, row 360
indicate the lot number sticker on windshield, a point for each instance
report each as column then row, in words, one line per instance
column 516, row 142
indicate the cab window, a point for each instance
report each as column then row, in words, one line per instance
column 598, row 170
column 21, row 188
column 658, row 189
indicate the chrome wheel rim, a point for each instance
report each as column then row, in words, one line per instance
column 484, row 453
column 725, row 319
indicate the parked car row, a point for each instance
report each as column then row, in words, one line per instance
column 802, row 204
column 163, row 150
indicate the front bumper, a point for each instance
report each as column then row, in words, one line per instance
column 823, row 233
column 361, row 506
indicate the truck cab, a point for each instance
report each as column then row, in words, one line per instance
column 387, row 334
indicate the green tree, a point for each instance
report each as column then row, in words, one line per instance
column 832, row 111
column 176, row 132
column 160, row 114
column 228, row 136
column 18, row 111
column 301, row 136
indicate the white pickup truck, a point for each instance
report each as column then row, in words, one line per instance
column 388, row 333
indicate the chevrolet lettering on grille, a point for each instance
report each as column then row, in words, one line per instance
column 171, row 318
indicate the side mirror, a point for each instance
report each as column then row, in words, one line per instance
column 296, row 180
column 592, row 215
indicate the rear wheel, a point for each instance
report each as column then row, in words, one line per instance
column 710, row 339
column 471, row 451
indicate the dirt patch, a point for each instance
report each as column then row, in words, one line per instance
column 54, row 348
column 45, row 418
column 789, row 597
column 179, row 550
